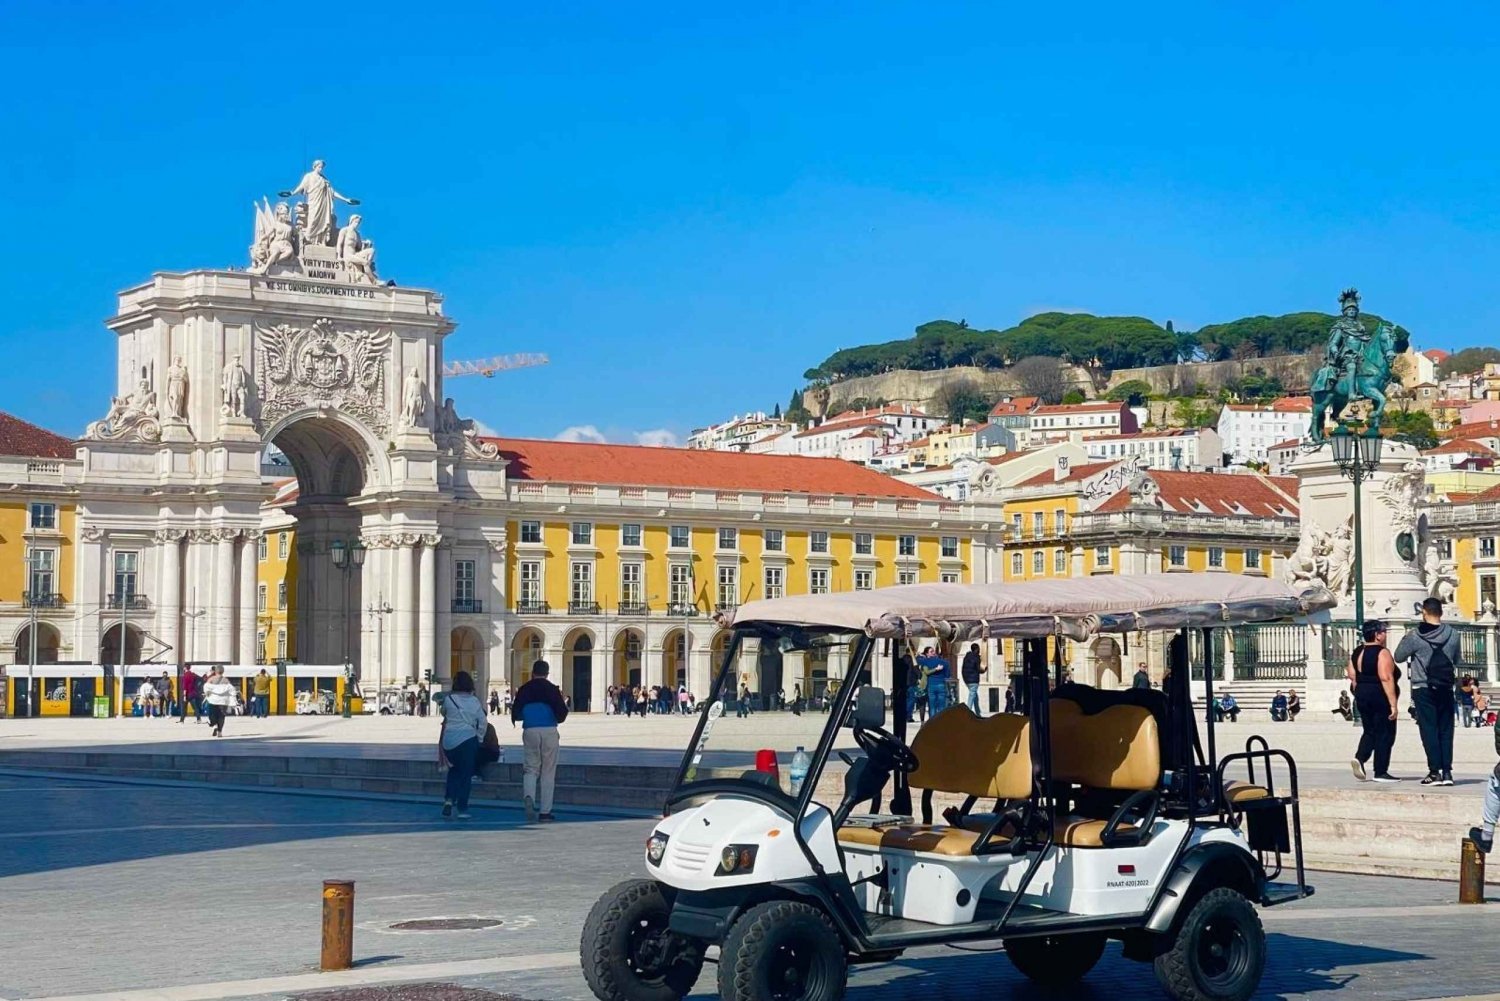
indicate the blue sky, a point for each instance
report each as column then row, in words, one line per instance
column 688, row 205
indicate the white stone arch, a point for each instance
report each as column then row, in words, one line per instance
column 575, row 675
column 359, row 440
column 627, row 657
column 49, row 638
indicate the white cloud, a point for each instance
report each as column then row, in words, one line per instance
column 485, row 430
column 655, row 437
column 658, row 437
column 582, row 432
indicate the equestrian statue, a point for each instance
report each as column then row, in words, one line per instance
column 1356, row 365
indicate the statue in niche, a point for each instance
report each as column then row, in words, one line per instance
column 236, row 387
column 177, row 390
column 275, row 239
column 413, row 399
column 357, row 252
column 320, row 194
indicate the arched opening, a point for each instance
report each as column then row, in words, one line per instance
column 1106, row 662
column 814, row 674
column 466, row 653
column 525, row 650
column 48, row 641
column 717, row 647
column 313, row 565
column 627, row 657
column 674, row 654
column 109, row 650
column 578, row 669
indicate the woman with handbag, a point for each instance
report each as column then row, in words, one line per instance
column 219, row 693
column 458, row 743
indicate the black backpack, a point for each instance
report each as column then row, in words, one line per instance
column 1439, row 667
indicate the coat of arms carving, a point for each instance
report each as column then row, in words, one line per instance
column 322, row 366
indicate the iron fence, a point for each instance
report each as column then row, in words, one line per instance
column 1271, row 652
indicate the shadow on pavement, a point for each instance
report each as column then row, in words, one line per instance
column 63, row 822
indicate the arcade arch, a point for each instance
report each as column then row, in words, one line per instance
column 577, row 674
column 48, row 642
column 466, row 653
column 109, row 649
column 627, row 657
column 525, row 650
column 674, row 655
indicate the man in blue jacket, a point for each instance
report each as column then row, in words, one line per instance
column 539, row 708
column 936, row 669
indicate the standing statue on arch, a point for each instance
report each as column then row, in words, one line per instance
column 1356, row 365
column 321, row 224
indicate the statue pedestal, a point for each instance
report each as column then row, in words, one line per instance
column 413, row 440
column 175, row 430
column 1394, row 535
column 239, row 429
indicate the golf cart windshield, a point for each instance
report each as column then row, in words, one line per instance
column 777, row 691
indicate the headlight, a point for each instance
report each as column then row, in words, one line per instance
column 737, row 860
column 656, row 848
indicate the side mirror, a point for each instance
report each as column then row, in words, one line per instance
column 869, row 708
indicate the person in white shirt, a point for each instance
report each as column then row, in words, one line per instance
column 219, row 694
column 145, row 698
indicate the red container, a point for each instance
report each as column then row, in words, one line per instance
column 765, row 761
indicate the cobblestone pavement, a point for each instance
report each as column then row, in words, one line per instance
column 111, row 891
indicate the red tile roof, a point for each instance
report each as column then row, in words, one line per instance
column 1465, row 446
column 832, row 427
column 1474, row 429
column 1097, row 407
column 1231, row 494
column 23, row 438
column 1075, row 473
column 639, row 465
column 1289, row 443
column 1017, row 405
column 1436, row 354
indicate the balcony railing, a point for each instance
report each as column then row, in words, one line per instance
column 471, row 606
column 583, row 608
column 682, row 611
column 128, row 602
column 725, row 608
column 631, row 608
column 41, row 599
column 525, row 607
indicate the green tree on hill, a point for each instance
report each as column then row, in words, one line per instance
column 1468, row 361
column 1133, row 392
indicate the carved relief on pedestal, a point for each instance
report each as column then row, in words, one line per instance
column 322, row 366
column 1323, row 558
column 1402, row 493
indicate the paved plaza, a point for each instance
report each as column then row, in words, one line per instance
column 134, row 892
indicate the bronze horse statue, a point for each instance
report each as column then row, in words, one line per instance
column 1371, row 374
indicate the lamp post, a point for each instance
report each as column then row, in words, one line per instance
column 348, row 558
column 1357, row 456
column 33, row 564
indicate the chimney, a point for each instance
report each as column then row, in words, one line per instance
column 1061, row 470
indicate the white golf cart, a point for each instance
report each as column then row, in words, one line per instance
column 1104, row 816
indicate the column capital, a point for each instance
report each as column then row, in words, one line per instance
column 201, row 535
column 91, row 533
column 166, row 535
column 431, row 540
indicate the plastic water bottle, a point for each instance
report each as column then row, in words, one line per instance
column 800, row 764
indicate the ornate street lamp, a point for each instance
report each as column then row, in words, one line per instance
column 348, row 557
column 1358, row 457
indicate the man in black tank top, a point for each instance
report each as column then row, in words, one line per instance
column 1372, row 672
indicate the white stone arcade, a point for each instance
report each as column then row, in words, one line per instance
column 344, row 376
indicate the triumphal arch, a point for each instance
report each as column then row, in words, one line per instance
column 307, row 349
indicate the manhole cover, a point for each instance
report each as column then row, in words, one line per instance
column 407, row 992
column 447, row 924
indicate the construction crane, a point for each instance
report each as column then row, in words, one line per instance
column 487, row 367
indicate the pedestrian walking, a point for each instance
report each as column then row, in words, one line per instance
column 971, row 669
column 220, row 695
column 145, row 698
column 191, row 690
column 1483, row 836
column 1142, row 676
column 459, row 739
column 1467, row 689
column 936, row 670
column 540, row 709
column 495, row 702
column 1372, row 672
column 743, row 710
column 1430, row 654
column 261, row 699
column 164, row 695
column 424, row 700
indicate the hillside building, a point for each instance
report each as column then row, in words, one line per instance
column 1247, row 431
column 1048, row 425
column 1178, row 449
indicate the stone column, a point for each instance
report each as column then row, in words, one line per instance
column 248, row 654
column 224, row 606
column 91, row 582
column 404, row 619
column 427, row 609
column 443, row 640
column 169, row 617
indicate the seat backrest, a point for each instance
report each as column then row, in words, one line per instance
column 1117, row 747
column 959, row 753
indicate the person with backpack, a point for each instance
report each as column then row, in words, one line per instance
column 1430, row 654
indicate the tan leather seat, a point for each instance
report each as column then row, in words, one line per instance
column 1072, row 831
column 1118, row 748
column 957, row 752
column 935, row 838
column 1236, row 791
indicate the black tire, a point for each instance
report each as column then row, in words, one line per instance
column 783, row 950
column 1056, row 960
column 1219, row 953
column 627, row 952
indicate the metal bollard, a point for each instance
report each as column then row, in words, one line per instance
column 1470, row 873
column 338, row 924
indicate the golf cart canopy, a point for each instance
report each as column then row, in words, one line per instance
column 1077, row 608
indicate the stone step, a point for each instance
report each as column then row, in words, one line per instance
column 1377, row 804
column 1407, row 868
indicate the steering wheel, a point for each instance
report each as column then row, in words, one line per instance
column 883, row 748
